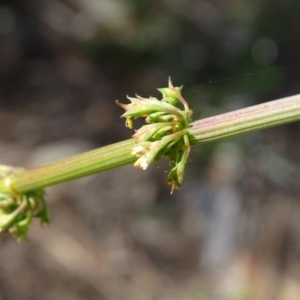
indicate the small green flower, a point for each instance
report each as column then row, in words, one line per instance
column 169, row 95
column 166, row 132
column 142, row 107
column 153, row 132
column 160, row 117
column 178, row 160
column 18, row 209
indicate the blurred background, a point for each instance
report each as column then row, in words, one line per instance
column 232, row 232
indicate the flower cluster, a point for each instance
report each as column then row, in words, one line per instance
column 166, row 132
column 18, row 209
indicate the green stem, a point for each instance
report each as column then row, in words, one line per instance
column 253, row 118
column 226, row 125
column 81, row 165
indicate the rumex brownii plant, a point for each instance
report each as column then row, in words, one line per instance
column 169, row 132
column 166, row 133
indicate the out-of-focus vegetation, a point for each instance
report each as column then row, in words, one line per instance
column 232, row 231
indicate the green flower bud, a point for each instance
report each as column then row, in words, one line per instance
column 153, row 131
column 158, row 117
column 169, row 94
column 17, row 211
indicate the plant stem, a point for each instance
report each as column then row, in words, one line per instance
column 222, row 126
column 253, row 118
column 77, row 166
